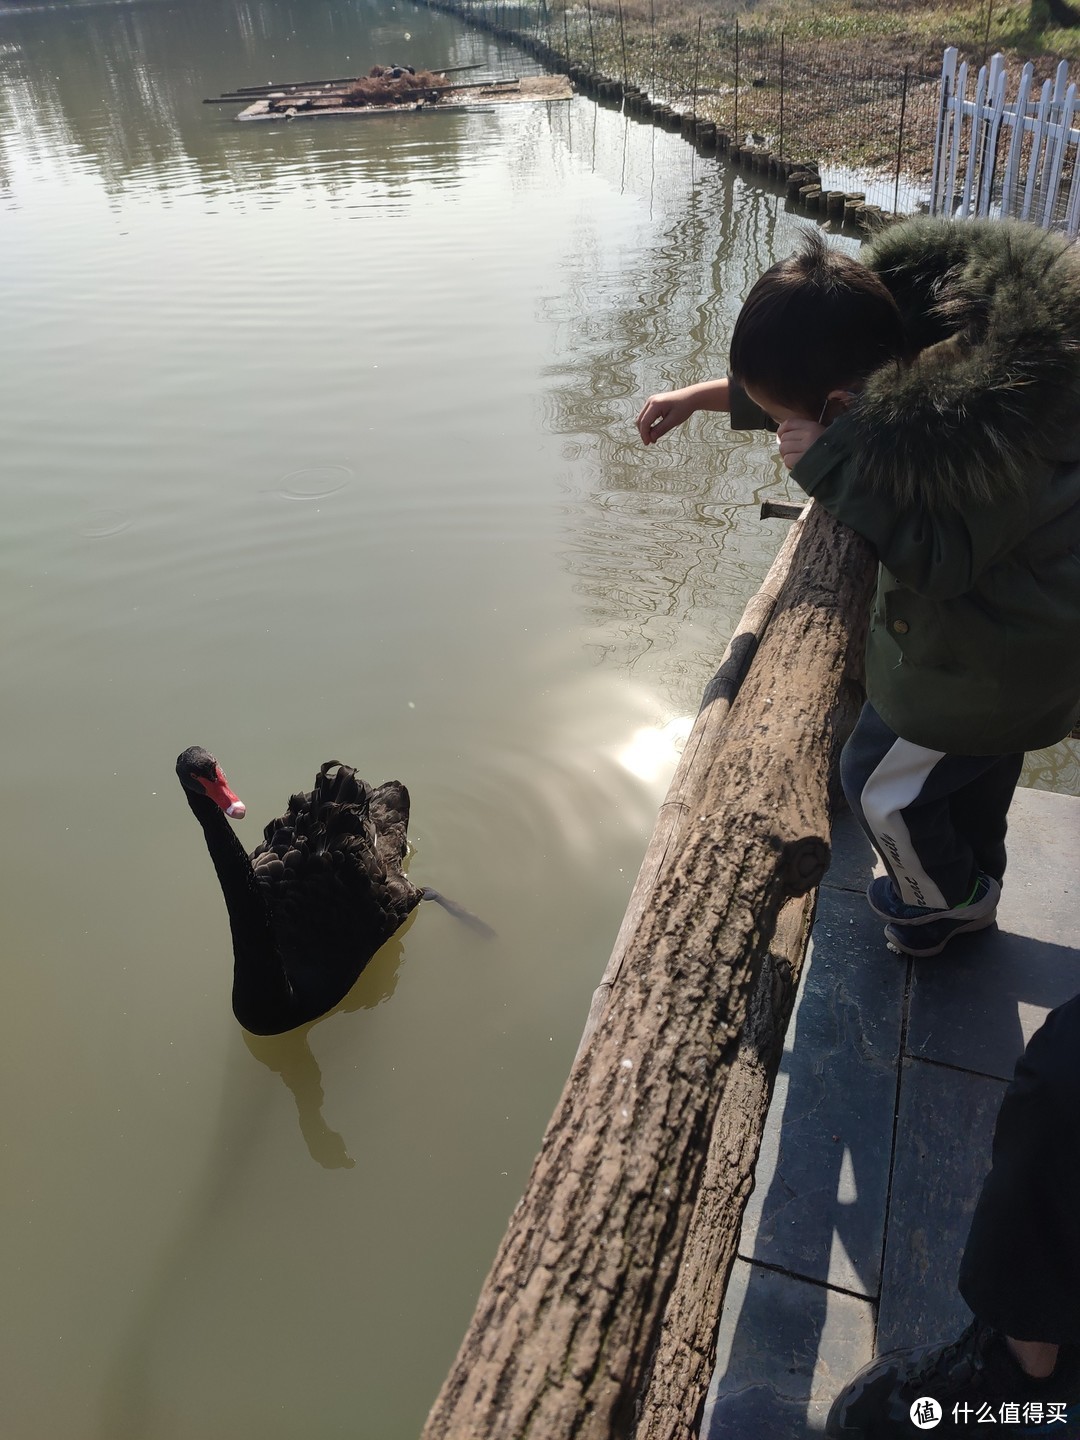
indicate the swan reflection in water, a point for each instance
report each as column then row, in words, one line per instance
column 132, row 1404
column 290, row 1056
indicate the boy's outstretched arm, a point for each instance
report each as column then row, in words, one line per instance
column 666, row 411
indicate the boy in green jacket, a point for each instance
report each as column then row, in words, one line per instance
column 930, row 399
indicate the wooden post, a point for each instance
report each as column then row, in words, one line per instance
column 573, row 1309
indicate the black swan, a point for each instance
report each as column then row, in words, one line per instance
column 312, row 904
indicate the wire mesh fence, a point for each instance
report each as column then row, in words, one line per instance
column 868, row 122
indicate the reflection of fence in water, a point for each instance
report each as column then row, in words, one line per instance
column 1018, row 158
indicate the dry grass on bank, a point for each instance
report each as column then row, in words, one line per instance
column 856, row 82
column 898, row 29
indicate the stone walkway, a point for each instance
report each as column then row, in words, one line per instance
column 880, row 1127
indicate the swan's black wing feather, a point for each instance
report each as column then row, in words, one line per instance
column 330, row 868
column 389, row 811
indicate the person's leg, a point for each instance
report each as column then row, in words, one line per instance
column 1020, row 1273
column 978, row 812
column 1021, row 1266
column 903, row 795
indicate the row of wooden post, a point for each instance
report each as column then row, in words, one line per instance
column 841, row 207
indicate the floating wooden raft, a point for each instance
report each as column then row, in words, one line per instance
column 424, row 91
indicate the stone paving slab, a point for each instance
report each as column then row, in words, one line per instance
column 979, row 1005
column 978, row 1009
column 784, row 1349
column 944, row 1130
column 793, row 1333
column 818, row 1207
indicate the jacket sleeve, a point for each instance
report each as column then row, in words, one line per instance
column 938, row 553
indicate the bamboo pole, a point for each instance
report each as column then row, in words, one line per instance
column 574, row 1306
column 391, row 97
column 343, row 80
column 294, row 85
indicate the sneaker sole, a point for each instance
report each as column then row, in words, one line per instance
column 925, row 951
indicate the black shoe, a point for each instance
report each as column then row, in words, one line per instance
column 947, row 1388
column 981, row 904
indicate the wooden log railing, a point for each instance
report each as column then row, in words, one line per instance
column 596, row 1320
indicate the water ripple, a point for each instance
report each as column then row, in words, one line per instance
column 316, row 482
column 102, row 524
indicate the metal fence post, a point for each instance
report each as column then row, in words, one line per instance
column 735, row 127
column 697, row 68
column 900, row 142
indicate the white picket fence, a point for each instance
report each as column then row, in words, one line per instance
column 1034, row 174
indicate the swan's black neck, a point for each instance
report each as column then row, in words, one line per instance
column 262, row 995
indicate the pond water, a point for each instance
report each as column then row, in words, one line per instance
column 317, row 444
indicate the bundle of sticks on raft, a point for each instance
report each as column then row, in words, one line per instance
column 382, row 85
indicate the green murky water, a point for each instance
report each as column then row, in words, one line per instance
column 316, row 443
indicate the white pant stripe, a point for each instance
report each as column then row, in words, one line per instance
column 893, row 785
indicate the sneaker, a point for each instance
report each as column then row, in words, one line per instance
column 951, row 1387
column 885, row 902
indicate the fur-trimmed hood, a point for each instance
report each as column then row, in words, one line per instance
column 993, row 308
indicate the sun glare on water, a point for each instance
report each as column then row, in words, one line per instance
column 653, row 751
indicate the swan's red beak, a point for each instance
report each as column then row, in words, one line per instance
column 219, row 792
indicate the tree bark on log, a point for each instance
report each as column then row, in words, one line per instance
column 673, row 1402
column 570, row 1316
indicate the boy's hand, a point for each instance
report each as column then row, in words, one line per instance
column 662, row 413
column 795, row 437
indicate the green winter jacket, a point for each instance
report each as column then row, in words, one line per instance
column 962, row 470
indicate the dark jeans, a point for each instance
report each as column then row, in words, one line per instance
column 1021, row 1266
column 935, row 819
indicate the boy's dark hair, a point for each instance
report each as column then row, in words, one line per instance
column 814, row 322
